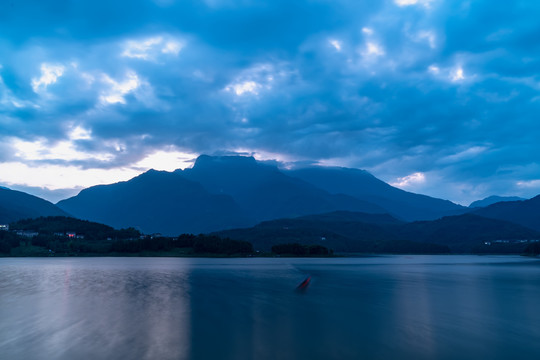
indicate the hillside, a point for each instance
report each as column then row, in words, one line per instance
column 51, row 225
column 157, row 201
column 362, row 185
column 356, row 232
column 465, row 232
column 493, row 200
column 525, row 212
column 340, row 231
column 16, row 205
column 265, row 191
column 217, row 193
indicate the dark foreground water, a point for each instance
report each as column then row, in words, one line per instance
column 398, row 307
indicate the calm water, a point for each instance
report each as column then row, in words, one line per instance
column 398, row 307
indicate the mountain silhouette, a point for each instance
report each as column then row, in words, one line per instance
column 217, row 193
column 157, row 202
column 341, row 231
column 17, row 205
column 364, row 186
column 358, row 232
column 524, row 212
column 493, row 200
column 463, row 232
column 227, row 192
column 265, row 191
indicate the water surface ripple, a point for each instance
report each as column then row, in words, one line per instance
column 394, row 307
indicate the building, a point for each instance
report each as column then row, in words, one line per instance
column 26, row 233
column 4, row 227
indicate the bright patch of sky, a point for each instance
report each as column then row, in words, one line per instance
column 49, row 75
column 41, row 149
column 409, row 181
column 457, row 74
column 336, row 44
column 244, row 87
column 151, row 48
column 373, row 49
column 367, row 31
column 167, row 160
column 56, row 177
column 425, row 3
column 119, row 89
column 257, row 78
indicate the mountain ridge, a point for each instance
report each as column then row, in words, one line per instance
column 490, row 200
column 358, row 232
column 16, row 205
column 523, row 212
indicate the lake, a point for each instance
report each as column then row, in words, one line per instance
column 389, row 307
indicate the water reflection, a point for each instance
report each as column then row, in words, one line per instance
column 94, row 309
column 372, row 308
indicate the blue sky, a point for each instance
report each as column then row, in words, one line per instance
column 436, row 97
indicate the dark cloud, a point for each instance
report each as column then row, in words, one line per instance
column 448, row 89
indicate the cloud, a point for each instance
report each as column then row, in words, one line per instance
column 428, row 36
column 367, row 31
column 56, row 177
column 448, row 89
column 529, row 184
column 244, row 87
column 49, row 75
column 151, row 48
column 336, row 44
column 169, row 159
column 410, row 180
column 42, row 149
column 402, row 3
column 457, row 74
column 119, row 89
column 373, row 49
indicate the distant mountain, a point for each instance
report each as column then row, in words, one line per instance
column 340, row 231
column 157, row 201
column 464, row 232
column 227, row 192
column 364, row 186
column 346, row 217
column 267, row 193
column 356, row 232
column 525, row 212
column 16, row 205
column 217, row 193
column 492, row 200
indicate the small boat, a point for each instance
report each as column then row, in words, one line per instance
column 304, row 284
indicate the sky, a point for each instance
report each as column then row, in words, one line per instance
column 437, row 97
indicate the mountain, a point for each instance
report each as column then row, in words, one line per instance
column 157, row 201
column 364, row 186
column 16, row 205
column 492, row 200
column 217, row 193
column 341, row 231
column 357, row 232
column 266, row 192
column 465, row 232
column 525, row 212
column 224, row 192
